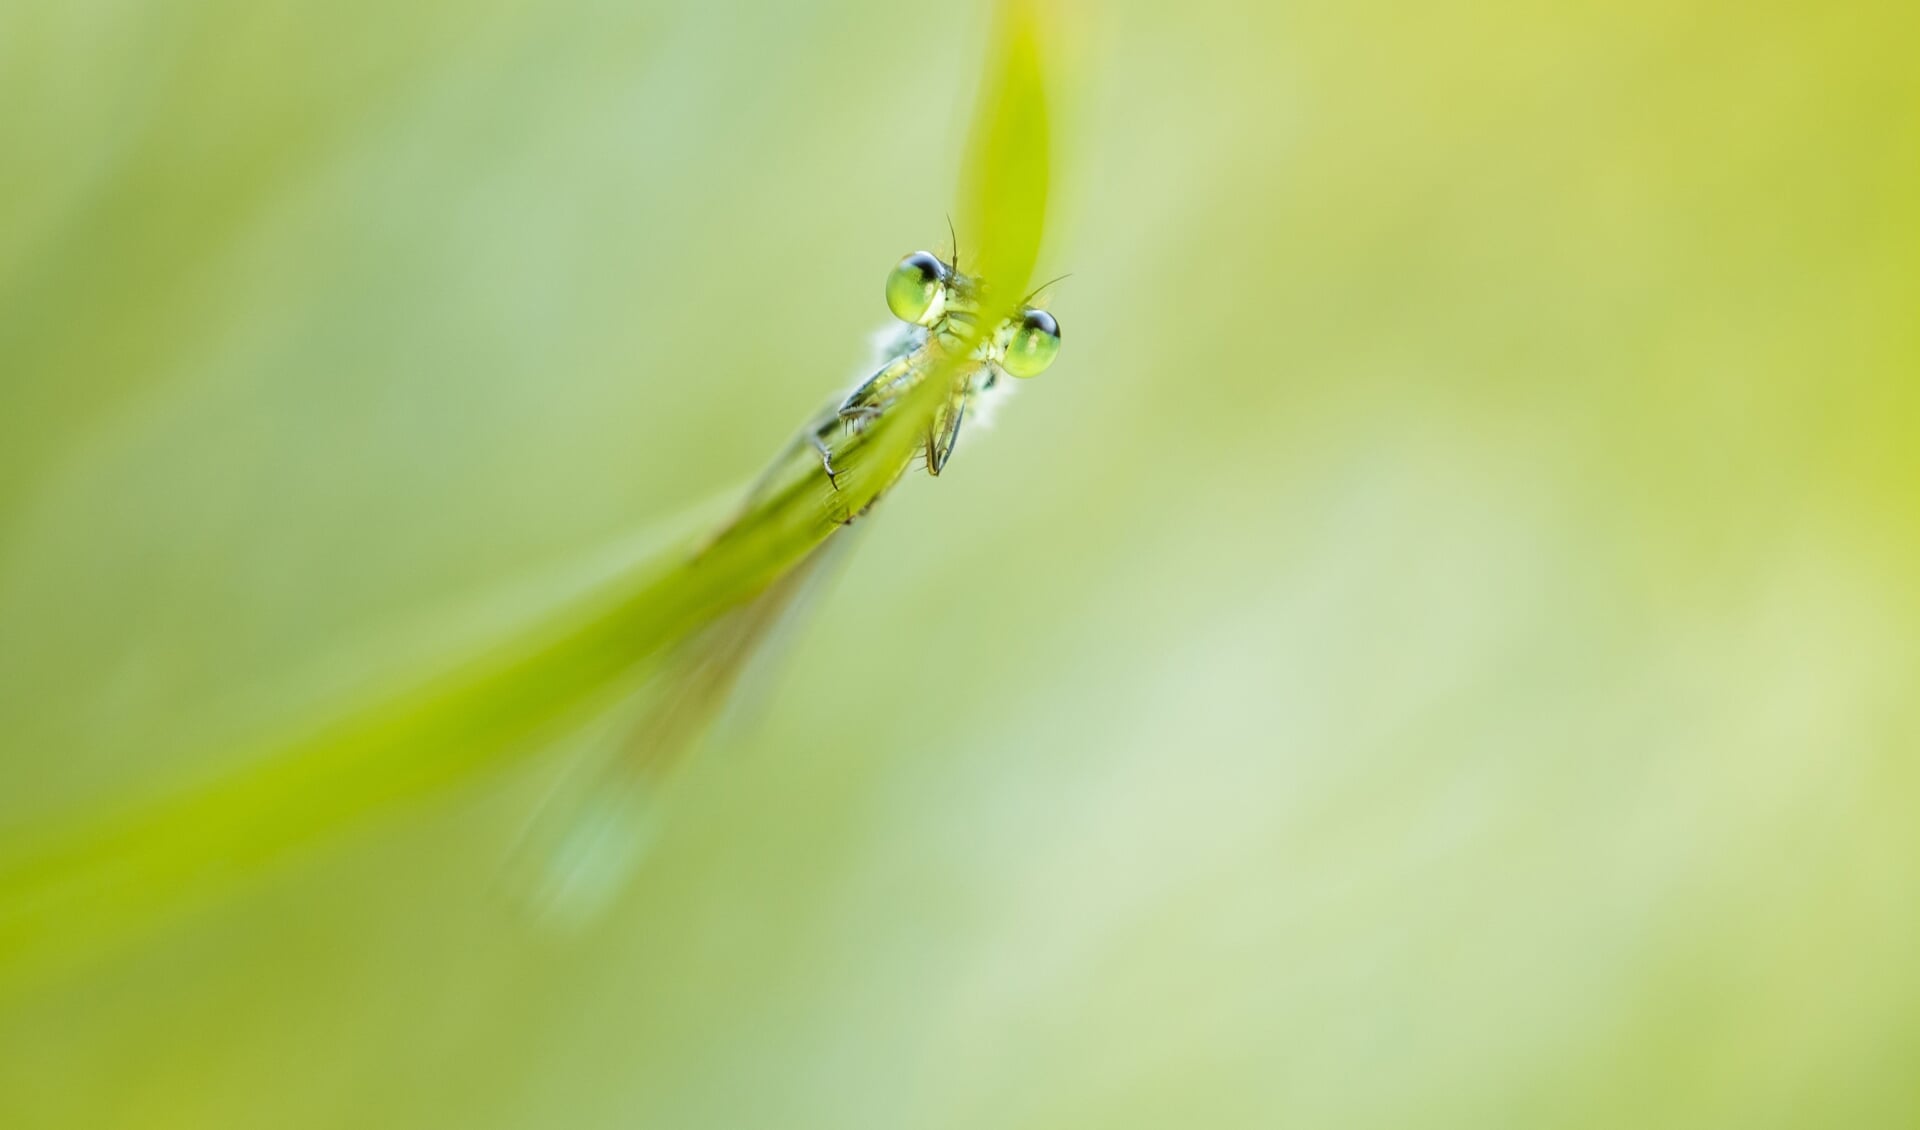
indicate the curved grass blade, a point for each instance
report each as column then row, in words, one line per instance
column 1004, row 183
column 69, row 888
column 74, row 887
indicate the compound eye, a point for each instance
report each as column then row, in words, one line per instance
column 1035, row 343
column 916, row 290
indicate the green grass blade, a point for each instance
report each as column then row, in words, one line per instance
column 80, row 886
column 1005, row 181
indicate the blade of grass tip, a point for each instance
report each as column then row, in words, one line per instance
column 1004, row 182
column 80, row 887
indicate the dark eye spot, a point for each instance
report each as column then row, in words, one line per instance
column 1042, row 322
column 930, row 267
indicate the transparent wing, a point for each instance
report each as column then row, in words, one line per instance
column 587, row 838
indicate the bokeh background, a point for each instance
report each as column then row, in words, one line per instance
column 1438, row 649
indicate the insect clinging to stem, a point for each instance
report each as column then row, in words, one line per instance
column 950, row 330
column 955, row 348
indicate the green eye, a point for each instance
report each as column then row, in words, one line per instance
column 1034, row 344
column 916, row 290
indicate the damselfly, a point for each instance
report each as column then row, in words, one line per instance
column 943, row 335
column 952, row 331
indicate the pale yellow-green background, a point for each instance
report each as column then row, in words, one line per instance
column 1437, row 650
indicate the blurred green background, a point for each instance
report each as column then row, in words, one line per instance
column 1437, row 650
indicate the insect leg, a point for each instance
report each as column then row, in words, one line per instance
column 826, row 458
column 944, row 432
